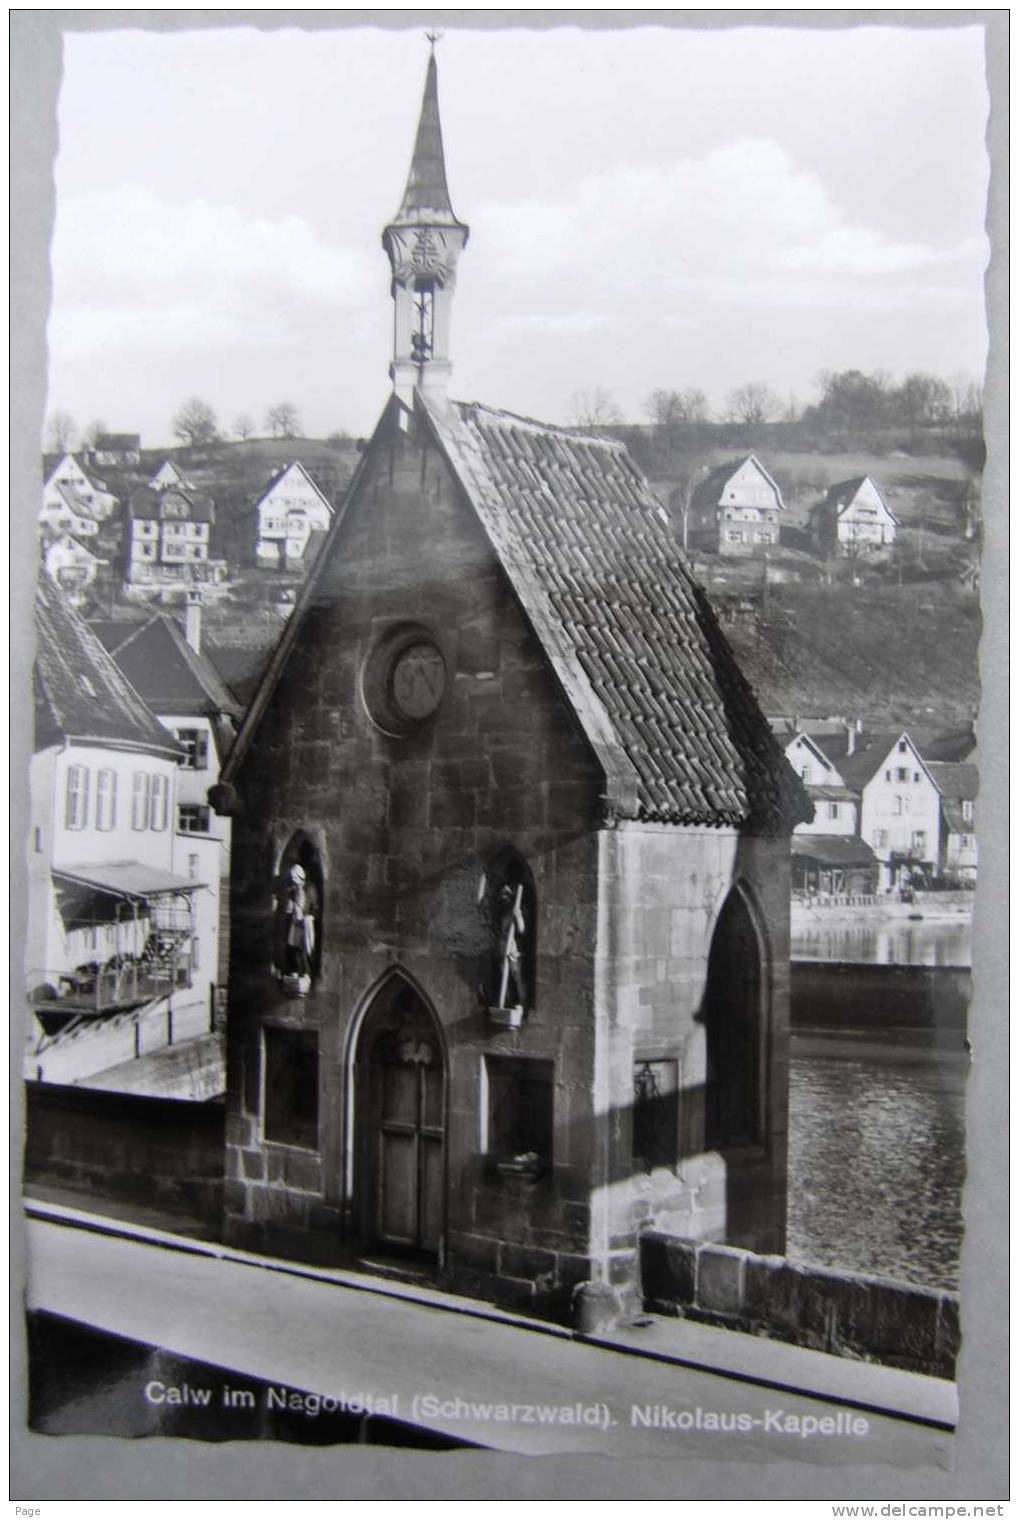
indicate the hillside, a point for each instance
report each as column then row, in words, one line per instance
column 889, row 643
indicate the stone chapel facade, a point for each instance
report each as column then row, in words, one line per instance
column 509, row 965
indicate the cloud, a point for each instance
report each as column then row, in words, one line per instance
column 738, row 224
column 132, row 270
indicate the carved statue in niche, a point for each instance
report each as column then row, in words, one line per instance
column 506, row 896
column 295, row 937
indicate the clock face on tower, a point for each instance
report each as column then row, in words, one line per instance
column 417, row 680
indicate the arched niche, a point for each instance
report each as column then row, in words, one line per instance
column 735, row 1027
column 298, row 901
column 508, row 903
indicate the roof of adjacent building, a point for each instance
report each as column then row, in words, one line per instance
column 76, row 502
column 629, row 632
column 124, row 442
column 955, row 780
column 145, row 502
column 80, row 693
column 126, row 878
column 708, row 493
column 830, row 793
column 833, row 849
column 162, row 666
column 427, row 194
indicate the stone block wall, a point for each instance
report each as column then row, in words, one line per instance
column 404, row 828
column 845, row 1313
column 663, row 891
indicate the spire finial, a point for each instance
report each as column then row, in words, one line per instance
column 433, row 37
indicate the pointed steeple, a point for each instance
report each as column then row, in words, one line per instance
column 427, row 194
column 424, row 242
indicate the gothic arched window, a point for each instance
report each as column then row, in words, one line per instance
column 734, row 1026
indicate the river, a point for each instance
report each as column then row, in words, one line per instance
column 885, row 942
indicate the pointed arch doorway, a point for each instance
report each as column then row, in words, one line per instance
column 399, row 1123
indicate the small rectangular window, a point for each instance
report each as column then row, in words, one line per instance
column 106, row 800
column 919, row 839
column 520, row 1109
column 901, row 774
column 655, row 1114
column 192, row 818
column 76, row 808
column 195, row 743
column 967, row 810
column 833, row 810
column 140, row 800
column 897, row 808
column 290, row 1113
column 879, row 838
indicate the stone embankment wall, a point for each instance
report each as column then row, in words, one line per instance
column 155, row 1152
column 845, row 1313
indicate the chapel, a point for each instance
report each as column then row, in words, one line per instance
column 510, row 875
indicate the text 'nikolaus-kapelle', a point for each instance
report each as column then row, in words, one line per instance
column 779, row 1422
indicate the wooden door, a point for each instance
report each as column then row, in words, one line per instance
column 402, row 1149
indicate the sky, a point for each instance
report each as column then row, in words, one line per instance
column 649, row 208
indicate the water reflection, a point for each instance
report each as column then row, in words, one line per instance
column 890, row 942
column 876, row 1165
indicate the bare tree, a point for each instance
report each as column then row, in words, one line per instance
column 752, row 404
column 244, row 426
column 195, row 423
column 93, row 433
column 60, row 432
column 283, row 420
column 594, row 408
column 667, row 409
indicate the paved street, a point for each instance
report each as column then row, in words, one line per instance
column 451, row 1372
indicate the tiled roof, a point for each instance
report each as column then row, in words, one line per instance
column 955, row 819
column 821, row 792
column 160, row 663
column 630, row 634
column 79, row 691
column 955, row 781
column 122, row 441
column 844, row 492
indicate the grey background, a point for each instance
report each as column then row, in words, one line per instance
column 55, row 1468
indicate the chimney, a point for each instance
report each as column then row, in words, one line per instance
column 851, row 732
column 193, row 620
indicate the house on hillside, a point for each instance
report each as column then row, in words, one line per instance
column 166, row 666
column 169, row 474
column 510, row 884
column 74, row 500
column 290, row 509
column 119, row 450
column 958, row 783
column 72, row 564
column 854, row 520
column 735, row 510
column 111, row 965
column 169, row 542
column 829, row 857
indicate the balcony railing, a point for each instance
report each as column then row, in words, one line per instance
column 108, row 988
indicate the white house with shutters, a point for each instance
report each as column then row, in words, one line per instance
column 736, row 509
column 900, row 811
column 113, row 965
column 854, row 520
column 69, row 487
column 288, row 512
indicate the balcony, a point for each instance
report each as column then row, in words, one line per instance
column 111, row 988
